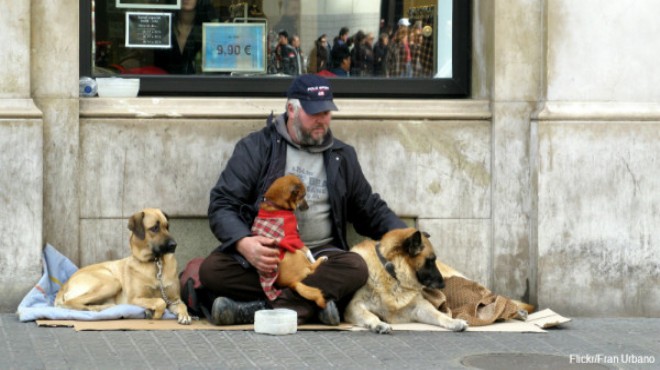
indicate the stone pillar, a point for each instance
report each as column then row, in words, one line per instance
column 515, row 86
column 21, row 163
column 54, row 71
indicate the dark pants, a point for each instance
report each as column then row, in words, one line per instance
column 338, row 278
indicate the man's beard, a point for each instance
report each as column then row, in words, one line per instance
column 305, row 138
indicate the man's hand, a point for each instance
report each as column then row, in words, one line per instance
column 261, row 252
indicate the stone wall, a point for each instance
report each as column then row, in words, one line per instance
column 598, row 214
column 595, row 149
column 430, row 162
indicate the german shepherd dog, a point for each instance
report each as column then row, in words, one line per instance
column 401, row 265
column 277, row 220
column 146, row 278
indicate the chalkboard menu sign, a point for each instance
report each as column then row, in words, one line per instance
column 148, row 30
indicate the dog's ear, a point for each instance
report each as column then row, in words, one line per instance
column 294, row 193
column 136, row 226
column 426, row 235
column 413, row 245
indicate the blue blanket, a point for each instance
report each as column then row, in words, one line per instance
column 38, row 303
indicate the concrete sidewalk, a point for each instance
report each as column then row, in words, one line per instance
column 583, row 343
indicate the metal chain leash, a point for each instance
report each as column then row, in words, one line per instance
column 159, row 277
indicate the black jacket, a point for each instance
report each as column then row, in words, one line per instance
column 260, row 158
column 287, row 57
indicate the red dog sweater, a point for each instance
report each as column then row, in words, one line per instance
column 282, row 226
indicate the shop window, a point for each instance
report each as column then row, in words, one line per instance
column 254, row 48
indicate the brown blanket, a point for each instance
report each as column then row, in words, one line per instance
column 465, row 299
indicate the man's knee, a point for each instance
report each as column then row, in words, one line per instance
column 213, row 271
column 206, row 272
column 358, row 267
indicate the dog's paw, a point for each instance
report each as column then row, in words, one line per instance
column 382, row 328
column 185, row 319
column 458, row 325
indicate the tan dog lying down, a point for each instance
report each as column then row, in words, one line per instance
column 401, row 265
column 404, row 285
column 146, row 278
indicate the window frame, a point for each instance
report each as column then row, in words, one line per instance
column 458, row 86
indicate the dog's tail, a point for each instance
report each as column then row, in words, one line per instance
column 524, row 306
column 310, row 293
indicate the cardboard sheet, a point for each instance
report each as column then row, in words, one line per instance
column 536, row 323
column 144, row 324
column 547, row 318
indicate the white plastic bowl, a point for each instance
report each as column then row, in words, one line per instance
column 279, row 321
column 115, row 87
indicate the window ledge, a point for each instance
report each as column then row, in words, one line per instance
column 148, row 107
column 19, row 108
column 598, row 111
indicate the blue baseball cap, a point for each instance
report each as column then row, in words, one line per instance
column 314, row 93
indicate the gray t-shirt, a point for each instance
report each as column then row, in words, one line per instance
column 314, row 224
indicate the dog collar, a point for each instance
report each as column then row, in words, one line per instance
column 389, row 267
column 270, row 203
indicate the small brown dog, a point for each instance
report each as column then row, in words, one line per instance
column 276, row 220
column 147, row 278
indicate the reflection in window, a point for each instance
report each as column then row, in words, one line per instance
column 351, row 38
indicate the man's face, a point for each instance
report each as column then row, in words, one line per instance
column 310, row 129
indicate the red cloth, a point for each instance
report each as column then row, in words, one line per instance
column 283, row 227
column 191, row 271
